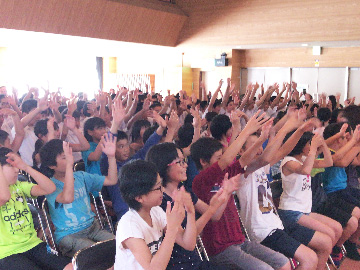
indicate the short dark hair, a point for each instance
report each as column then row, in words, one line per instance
column 41, row 127
column 188, row 119
column 220, row 125
column 155, row 104
column 3, row 152
column 85, row 109
column 210, row 116
column 204, row 148
column 351, row 113
column 49, row 151
column 91, row 124
column 324, row 114
column 28, row 105
column 121, row 135
column 333, row 129
column 3, row 136
column 161, row 155
column 148, row 132
column 203, row 104
column 138, row 125
column 185, row 135
column 80, row 105
column 136, row 178
column 76, row 114
column 305, row 138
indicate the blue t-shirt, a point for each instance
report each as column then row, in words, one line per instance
column 91, row 166
column 76, row 216
column 120, row 207
column 334, row 178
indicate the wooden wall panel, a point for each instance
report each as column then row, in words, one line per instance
column 235, row 22
column 151, row 21
column 295, row 57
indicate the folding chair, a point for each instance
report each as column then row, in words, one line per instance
column 99, row 256
column 200, row 248
column 98, row 214
column 51, row 241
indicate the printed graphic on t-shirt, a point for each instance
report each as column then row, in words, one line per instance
column 155, row 245
column 306, row 185
column 264, row 193
column 16, row 213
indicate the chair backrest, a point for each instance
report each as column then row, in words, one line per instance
column 50, row 235
column 200, row 248
column 96, row 257
column 237, row 204
column 99, row 215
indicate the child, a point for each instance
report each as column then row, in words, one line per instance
column 145, row 235
column 172, row 166
column 19, row 246
column 342, row 203
column 94, row 129
column 69, row 205
column 223, row 239
column 123, row 156
column 258, row 213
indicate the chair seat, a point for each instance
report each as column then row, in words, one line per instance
column 97, row 257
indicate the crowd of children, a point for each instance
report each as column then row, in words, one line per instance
column 171, row 169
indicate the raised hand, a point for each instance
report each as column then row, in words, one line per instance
column 16, row 161
column 159, row 120
column 176, row 215
column 173, row 121
column 188, row 204
column 265, row 130
column 108, row 144
column 317, row 141
column 68, row 153
column 118, row 111
column 7, row 111
column 218, row 199
column 70, row 122
column 256, row 122
column 232, row 184
column 197, row 118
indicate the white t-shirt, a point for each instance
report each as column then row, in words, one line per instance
column 27, row 147
column 256, row 203
column 71, row 138
column 297, row 195
column 132, row 225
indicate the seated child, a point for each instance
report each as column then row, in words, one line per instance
column 20, row 248
column 223, row 239
column 69, row 205
column 145, row 235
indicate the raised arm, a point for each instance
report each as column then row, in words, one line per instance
column 213, row 98
column 83, row 144
column 252, row 126
column 109, row 148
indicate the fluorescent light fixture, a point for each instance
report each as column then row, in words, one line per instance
column 304, row 44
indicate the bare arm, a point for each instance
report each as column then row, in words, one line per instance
column 67, row 194
column 109, row 148
column 4, row 189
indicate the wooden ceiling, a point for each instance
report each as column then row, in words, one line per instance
column 217, row 23
column 241, row 22
column 140, row 21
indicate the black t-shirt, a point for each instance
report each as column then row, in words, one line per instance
column 180, row 257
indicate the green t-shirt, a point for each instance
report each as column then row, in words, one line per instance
column 17, row 233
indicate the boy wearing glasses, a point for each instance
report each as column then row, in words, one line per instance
column 122, row 156
column 146, row 235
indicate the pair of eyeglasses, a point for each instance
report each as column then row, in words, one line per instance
column 181, row 162
column 156, row 189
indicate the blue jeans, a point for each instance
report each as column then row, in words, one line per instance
column 289, row 217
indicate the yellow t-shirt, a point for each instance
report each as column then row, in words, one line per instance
column 17, row 233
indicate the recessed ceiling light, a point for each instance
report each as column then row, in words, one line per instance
column 304, row 44
column 238, row 47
